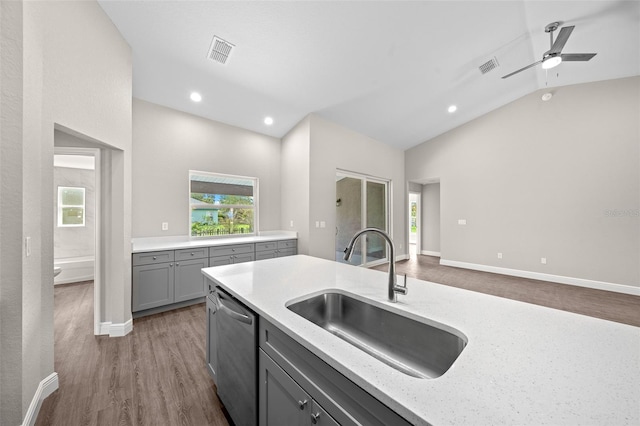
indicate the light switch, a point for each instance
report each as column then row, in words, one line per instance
column 462, row 221
column 291, row 223
column 317, row 224
column 499, row 255
column 543, row 260
column 27, row 246
column 323, row 224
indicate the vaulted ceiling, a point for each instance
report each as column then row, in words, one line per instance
column 386, row 69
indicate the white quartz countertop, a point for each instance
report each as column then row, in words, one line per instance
column 139, row 245
column 523, row 364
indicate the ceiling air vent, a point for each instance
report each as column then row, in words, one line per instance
column 489, row 65
column 220, row 50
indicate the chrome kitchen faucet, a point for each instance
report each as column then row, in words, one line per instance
column 393, row 287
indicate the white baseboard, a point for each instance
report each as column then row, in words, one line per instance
column 402, row 257
column 45, row 388
column 430, row 253
column 116, row 330
column 580, row 282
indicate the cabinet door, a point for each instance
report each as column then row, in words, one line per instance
column 152, row 286
column 281, row 400
column 189, row 281
column 212, row 339
column 220, row 260
column 321, row 417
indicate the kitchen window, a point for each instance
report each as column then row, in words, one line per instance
column 221, row 205
column 71, row 206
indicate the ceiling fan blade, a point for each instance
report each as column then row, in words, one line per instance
column 522, row 69
column 561, row 40
column 577, row 56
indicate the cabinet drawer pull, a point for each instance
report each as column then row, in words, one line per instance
column 301, row 404
column 193, row 254
column 315, row 417
column 171, row 265
column 155, row 257
column 177, row 264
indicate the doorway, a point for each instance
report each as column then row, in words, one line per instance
column 361, row 202
column 415, row 228
column 77, row 233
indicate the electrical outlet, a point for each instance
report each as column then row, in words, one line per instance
column 291, row 223
column 543, row 260
column 165, row 226
column 499, row 255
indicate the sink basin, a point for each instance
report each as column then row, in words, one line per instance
column 412, row 347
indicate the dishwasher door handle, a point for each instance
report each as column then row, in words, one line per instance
column 233, row 314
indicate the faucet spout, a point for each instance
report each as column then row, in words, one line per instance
column 392, row 286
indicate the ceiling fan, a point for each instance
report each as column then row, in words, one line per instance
column 554, row 55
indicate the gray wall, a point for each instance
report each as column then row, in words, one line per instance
column 75, row 241
column 294, row 182
column 48, row 81
column 430, row 218
column 541, row 179
column 168, row 143
column 311, row 154
column 334, row 147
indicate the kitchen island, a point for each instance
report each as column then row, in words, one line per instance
column 522, row 364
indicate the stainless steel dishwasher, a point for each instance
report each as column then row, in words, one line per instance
column 237, row 359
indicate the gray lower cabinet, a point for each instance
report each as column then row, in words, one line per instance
column 152, row 286
column 189, row 281
column 167, row 277
column 283, row 402
column 331, row 398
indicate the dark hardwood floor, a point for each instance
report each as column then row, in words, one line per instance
column 607, row 305
column 156, row 374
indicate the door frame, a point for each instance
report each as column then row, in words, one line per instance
column 97, row 269
column 364, row 178
column 418, row 222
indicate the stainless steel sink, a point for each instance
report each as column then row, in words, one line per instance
column 412, row 347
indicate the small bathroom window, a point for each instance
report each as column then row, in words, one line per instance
column 71, row 206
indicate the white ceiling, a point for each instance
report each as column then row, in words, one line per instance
column 386, row 69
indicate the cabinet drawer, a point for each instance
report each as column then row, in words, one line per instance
column 287, row 252
column 271, row 245
column 230, row 250
column 194, row 253
column 152, row 257
column 287, row 244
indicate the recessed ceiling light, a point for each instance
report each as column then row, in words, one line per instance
column 196, row 97
column 452, row 108
column 547, row 96
column 268, row 121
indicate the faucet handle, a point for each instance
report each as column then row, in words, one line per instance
column 402, row 289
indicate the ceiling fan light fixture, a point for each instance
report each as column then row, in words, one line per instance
column 551, row 61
